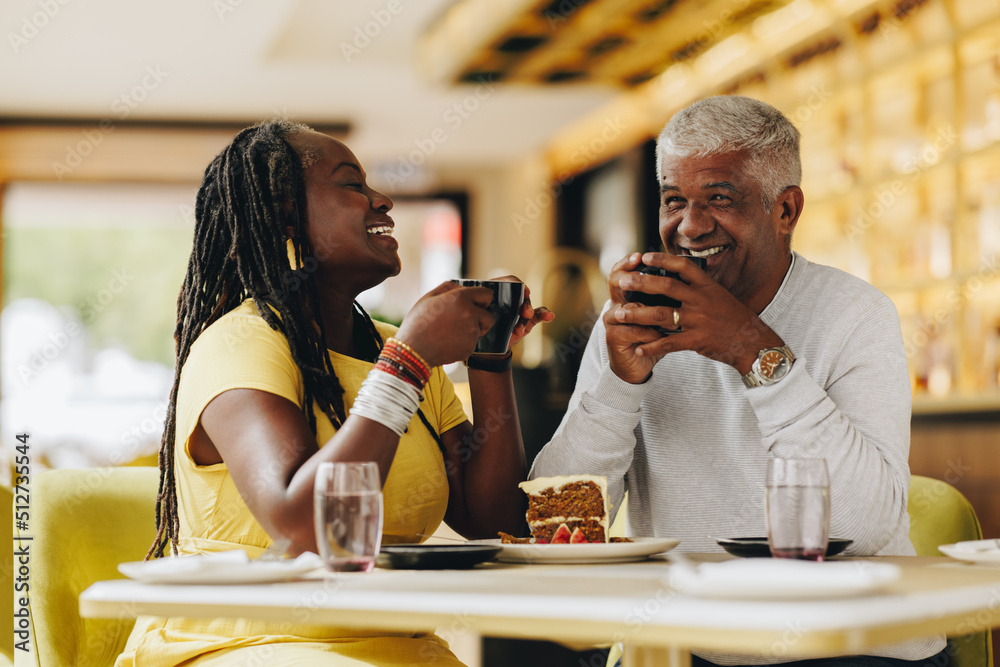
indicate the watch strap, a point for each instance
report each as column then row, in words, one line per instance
column 490, row 364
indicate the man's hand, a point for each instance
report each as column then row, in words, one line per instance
column 714, row 323
column 626, row 336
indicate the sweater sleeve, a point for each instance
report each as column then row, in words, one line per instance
column 859, row 422
column 597, row 433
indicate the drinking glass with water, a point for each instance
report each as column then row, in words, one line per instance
column 798, row 508
column 348, row 515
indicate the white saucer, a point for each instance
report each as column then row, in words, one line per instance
column 227, row 567
column 971, row 554
column 639, row 548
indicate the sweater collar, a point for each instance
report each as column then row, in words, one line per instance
column 786, row 291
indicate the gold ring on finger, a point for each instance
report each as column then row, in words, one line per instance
column 677, row 317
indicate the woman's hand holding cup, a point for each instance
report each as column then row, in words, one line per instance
column 458, row 318
column 447, row 322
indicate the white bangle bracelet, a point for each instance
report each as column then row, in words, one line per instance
column 388, row 400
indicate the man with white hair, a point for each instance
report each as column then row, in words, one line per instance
column 776, row 357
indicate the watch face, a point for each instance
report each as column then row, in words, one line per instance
column 771, row 363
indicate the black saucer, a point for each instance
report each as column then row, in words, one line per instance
column 435, row 556
column 756, row 547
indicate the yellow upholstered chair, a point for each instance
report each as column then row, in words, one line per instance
column 7, row 575
column 84, row 523
column 940, row 514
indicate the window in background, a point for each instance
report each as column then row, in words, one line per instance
column 611, row 221
column 91, row 277
column 429, row 232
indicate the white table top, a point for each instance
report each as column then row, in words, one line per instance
column 589, row 603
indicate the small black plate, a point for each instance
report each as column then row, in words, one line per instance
column 756, row 547
column 435, row 556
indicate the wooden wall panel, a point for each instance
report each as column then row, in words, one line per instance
column 965, row 452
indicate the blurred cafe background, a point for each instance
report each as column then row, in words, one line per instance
column 515, row 136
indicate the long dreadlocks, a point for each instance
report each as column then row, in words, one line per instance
column 251, row 192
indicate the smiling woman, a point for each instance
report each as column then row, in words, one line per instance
column 280, row 369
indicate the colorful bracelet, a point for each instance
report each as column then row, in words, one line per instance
column 402, row 344
column 401, row 371
column 400, row 360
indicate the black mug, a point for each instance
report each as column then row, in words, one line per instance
column 506, row 308
column 661, row 299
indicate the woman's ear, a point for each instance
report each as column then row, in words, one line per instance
column 289, row 232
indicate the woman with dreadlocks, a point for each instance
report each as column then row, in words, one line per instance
column 280, row 370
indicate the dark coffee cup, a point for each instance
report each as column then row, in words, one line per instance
column 661, row 299
column 506, row 308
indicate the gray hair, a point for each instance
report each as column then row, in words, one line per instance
column 727, row 123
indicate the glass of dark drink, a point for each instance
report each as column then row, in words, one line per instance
column 798, row 508
column 348, row 515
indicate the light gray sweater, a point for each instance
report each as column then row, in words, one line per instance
column 691, row 444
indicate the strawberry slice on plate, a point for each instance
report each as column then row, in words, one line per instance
column 562, row 535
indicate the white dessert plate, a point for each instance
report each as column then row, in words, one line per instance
column 613, row 552
column 978, row 551
column 226, row 567
column 780, row 579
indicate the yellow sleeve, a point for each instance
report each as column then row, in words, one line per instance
column 447, row 406
column 238, row 351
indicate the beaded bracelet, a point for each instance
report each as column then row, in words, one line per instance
column 400, row 360
column 409, row 349
column 401, row 371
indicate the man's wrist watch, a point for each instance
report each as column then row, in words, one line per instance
column 772, row 364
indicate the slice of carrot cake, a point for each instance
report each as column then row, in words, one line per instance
column 568, row 509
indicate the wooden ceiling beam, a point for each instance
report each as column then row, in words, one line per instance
column 71, row 150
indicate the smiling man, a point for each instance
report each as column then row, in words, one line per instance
column 776, row 357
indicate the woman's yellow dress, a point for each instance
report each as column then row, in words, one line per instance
column 240, row 350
